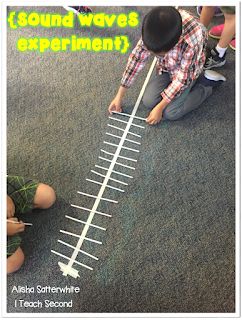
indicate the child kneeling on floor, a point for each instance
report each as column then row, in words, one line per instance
column 22, row 196
column 178, row 40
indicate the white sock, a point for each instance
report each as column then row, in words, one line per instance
column 221, row 51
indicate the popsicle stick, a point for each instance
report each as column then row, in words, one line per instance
column 82, row 251
column 123, row 147
column 91, row 196
column 132, row 133
column 18, row 222
column 115, row 136
column 70, row 259
column 89, row 210
column 129, row 115
column 132, row 124
column 122, row 157
column 108, row 186
column 118, row 163
column 117, row 172
column 83, row 222
column 78, row 236
column 116, row 180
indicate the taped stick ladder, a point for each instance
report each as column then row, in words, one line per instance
column 68, row 269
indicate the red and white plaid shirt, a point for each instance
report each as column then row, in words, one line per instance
column 184, row 62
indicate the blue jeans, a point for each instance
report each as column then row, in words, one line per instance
column 190, row 99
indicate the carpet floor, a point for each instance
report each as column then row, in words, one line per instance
column 170, row 244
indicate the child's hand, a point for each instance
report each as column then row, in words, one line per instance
column 115, row 105
column 10, row 207
column 14, row 228
column 155, row 115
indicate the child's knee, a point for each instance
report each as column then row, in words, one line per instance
column 45, row 196
column 15, row 261
column 171, row 115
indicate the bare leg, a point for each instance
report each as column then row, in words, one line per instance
column 15, row 261
column 207, row 15
column 228, row 31
column 45, row 196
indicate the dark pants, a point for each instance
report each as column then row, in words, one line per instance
column 188, row 100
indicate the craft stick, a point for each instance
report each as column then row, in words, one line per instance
column 117, row 172
column 63, row 256
column 122, row 157
column 107, row 185
column 115, row 136
column 129, row 115
column 78, row 236
column 83, row 222
column 118, row 163
column 115, row 145
column 86, row 209
column 82, row 251
column 132, row 124
column 90, row 195
column 102, row 175
column 18, row 222
column 134, row 134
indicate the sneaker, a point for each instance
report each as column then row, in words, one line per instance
column 213, row 60
column 216, row 31
column 217, row 13
column 211, row 78
column 232, row 44
column 78, row 10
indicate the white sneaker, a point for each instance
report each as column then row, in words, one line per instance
column 214, row 75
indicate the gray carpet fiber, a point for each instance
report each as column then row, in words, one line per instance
column 170, row 244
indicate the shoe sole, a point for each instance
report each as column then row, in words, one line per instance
column 213, row 79
column 213, row 36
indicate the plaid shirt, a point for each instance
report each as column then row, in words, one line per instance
column 184, row 62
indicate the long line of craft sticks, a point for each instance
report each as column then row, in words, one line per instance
column 68, row 269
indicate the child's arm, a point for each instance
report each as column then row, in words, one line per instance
column 182, row 80
column 14, row 228
column 135, row 64
column 116, row 104
column 10, row 207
